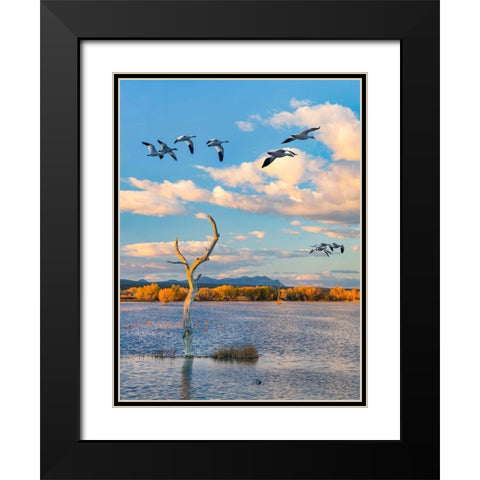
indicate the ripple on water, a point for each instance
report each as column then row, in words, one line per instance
column 308, row 351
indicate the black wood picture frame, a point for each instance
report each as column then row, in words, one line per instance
column 64, row 24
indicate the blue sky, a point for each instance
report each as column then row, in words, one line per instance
column 267, row 218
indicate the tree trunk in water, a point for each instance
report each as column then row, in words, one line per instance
column 187, row 319
column 186, row 378
column 193, row 288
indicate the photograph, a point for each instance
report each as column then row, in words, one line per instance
column 240, row 237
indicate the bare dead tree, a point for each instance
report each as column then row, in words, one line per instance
column 193, row 287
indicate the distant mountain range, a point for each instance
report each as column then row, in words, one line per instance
column 258, row 281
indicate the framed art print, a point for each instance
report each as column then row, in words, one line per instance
column 234, row 228
column 225, row 332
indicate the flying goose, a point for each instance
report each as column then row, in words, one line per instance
column 153, row 151
column 186, row 139
column 335, row 245
column 218, row 146
column 277, row 154
column 166, row 149
column 323, row 245
column 320, row 248
column 301, row 136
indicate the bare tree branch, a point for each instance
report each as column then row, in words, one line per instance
column 180, row 256
column 208, row 251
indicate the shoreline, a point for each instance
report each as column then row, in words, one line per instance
column 134, row 300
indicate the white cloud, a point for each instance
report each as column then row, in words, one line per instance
column 345, row 272
column 302, row 186
column 236, row 272
column 295, row 223
column 160, row 199
column 290, row 231
column 245, row 126
column 324, row 279
column 355, row 248
column 333, row 232
column 339, row 184
column 139, row 268
column 148, row 203
column 222, row 253
column 201, row 215
column 340, row 128
column 243, row 174
column 183, row 189
column 152, row 277
column 337, row 187
column 296, row 280
column 313, row 228
column 292, row 170
column 257, row 233
column 294, row 103
column 240, row 237
column 305, row 277
column 164, row 249
column 134, row 264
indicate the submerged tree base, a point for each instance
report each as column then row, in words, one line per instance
column 244, row 352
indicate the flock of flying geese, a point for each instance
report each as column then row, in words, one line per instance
column 272, row 155
column 323, row 248
column 282, row 152
column 217, row 144
column 153, row 152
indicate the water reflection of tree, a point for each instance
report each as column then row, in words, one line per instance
column 186, row 378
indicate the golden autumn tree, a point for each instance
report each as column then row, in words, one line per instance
column 166, row 295
column 179, row 292
column 147, row 293
column 337, row 293
column 204, row 294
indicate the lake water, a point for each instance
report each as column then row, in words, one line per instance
column 308, row 351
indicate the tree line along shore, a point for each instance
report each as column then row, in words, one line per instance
column 177, row 293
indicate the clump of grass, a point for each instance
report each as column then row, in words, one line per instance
column 165, row 353
column 244, row 352
column 226, row 353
